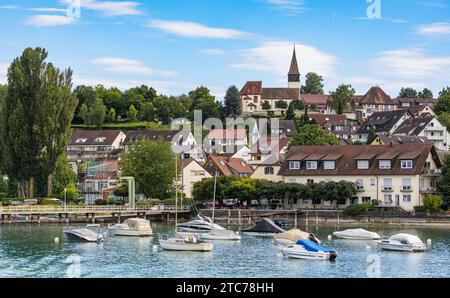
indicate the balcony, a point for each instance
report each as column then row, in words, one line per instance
column 429, row 190
column 432, row 172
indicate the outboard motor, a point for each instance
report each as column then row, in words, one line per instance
column 333, row 255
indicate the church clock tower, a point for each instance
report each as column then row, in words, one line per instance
column 294, row 74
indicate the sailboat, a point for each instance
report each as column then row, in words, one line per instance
column 217, row 232
column 188, row 243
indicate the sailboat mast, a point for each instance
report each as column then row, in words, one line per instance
column 176, row 194
column 214, row 198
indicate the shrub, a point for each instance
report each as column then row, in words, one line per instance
column 171, row 202
column 356, row 210
column 420, row 209
column 101, row 202
column 432, row 203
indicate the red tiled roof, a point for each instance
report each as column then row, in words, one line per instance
column 227, row 134
column 318, row 99
column 280, row 93
column 252, row 88
column 321, row 119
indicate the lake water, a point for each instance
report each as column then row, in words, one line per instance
column 30, row 251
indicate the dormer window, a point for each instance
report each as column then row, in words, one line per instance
column 329, row 165
column 363, row 164
column 385, row 165
column 311, row 165
column 81, row 140
column 100, row 139
column 294, row 165
column 407, row 164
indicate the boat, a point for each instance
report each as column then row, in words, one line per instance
column 264, row 227
column 136, row 227
column 83, row 235
column 356, row 234
column 402, row 242
column 190, row 243
column 202, row 224
column 308, row 250
column 221, row 235
column 292, row 236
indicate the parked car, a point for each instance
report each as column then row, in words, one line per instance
column 16, row 203
column 230, row 203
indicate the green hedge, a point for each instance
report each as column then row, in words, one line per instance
column 420, row 208
column 356, row 210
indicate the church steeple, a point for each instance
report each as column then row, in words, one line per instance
column 294, row 73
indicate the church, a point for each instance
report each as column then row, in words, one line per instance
column 253, row 94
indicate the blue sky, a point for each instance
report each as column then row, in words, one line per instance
column 176, row 45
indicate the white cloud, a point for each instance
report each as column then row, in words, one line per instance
column 190, row 29
column 434, row 29
column 411, row 64
column 3, row 72
column 275, row 57
column 129, row 66
column 48, row 9
column 49, row 20
column 9, row 7
column 291, row 7
column 213, row 52
column 436, row 4
column 109, row 8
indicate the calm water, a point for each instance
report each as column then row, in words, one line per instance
column 30, row 251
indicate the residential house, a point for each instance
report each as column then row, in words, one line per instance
column 99, row 180
column 267, row 156
column 427, row 126
column 382, row 123
column 183, row 141
column 411, row 102
column 383, row 139
column 282, row 127
column 193, row 172
column 339, row 125
column 375, row 100
column 394, row 176
column 86, row 145
column 225, row 140
column 228, row 166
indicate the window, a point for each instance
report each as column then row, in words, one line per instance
column 310, row 181
column 268, row 171
column 387, row 184
column 372, row 182
column 363, row 164
column 255, row 99
column 359, row 184
column 197, row 173
column 294, row 165
column 329, row 165
column 81, row 140
column 407, row 184
column 407, row 164
column 388, row 198
column 100, row 140
column 406, row 198
column 385, row 164
column 311, row 165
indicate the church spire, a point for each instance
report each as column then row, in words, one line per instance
column 293, row 70
column 294, row 73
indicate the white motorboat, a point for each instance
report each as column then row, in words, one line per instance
column 402, row 242
column 84, row 235
column 136, row 227
column 221, row 235
column 189, row 243
column 202, row 224
column 356, row 234
column 265, row 228
column 308, row 250
column 292, row 236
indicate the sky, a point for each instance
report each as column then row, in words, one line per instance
column 177, row 45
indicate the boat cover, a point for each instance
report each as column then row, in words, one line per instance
column 265, row 226
column 312, row 246
column 293, row 235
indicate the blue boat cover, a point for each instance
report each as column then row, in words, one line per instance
column 312, row 246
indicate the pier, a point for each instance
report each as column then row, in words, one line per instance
column 90, row 214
